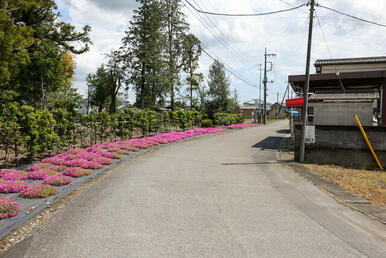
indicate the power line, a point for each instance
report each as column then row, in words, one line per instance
column 215, row 34
column 231, row 70
column 225, row 35
column 352, row 16
column 248, row 14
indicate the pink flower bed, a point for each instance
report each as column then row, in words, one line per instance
column 41, row 174
column 14, row 186
column 77, row 172
column 39, row 191
column 8, row 208
column 47, row 166
column 13, row 174
column 57, row 180
column 239, row 126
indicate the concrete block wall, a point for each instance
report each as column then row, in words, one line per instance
column 344, row 145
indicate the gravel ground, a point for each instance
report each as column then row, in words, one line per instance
column 217, row 196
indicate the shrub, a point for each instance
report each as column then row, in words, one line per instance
column 39, row 191
column 8, row 208
column 207, row 123
column 228, row 119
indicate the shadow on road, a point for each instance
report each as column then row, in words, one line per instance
column 269, row 143
column 283, row 131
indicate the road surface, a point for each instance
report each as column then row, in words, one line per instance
column 214, row 196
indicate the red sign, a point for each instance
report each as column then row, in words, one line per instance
column 294, row 103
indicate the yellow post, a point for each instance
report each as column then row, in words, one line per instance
column 367, row 141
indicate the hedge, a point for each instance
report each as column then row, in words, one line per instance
column 228, row 119
column 38, row 131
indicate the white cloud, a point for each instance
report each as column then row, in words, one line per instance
column 284, row 34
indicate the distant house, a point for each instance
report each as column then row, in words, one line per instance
column 249, row 108
column 83, row 106
column 274, row 109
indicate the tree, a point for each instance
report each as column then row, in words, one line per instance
column 65, row 97
column 115, row 77
column 38, row 71
column 218, row 89
column 143, row 48
column 14, row 40
column 105, row 84
column 190, row 55
column 98, row 92
column 234, row 107
column 176, row 28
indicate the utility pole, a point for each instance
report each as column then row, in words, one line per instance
column 265, row 80
column 258, row 104
column 265, row 87
column 260, row 117
column 277, row 105
column 306, row 85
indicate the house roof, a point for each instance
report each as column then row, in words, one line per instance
column 369, row 79
column 253, row 102
column 359, row 60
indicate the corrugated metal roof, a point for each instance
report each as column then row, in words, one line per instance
column 344, row 96
column 359, row 60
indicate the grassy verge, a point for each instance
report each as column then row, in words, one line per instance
column 368, row 184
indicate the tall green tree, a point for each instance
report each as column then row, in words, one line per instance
column 105, row 85
column 116, row 75
column 219, row 92
column 190, row 56
column 48, row 38
column 143, row 48
column 15, row 38
column 176, row 28
column 97, row 89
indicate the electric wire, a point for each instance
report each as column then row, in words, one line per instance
column 329, row 51
column 351, row 16
column 215, row 34
column 229, row 69
column 225, row 35
column 248, row 14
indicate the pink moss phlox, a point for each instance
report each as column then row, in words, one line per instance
column 57, row 180
column 13, row 186
column 14, row 174
column 239, row 126
column 8, row 208
column 41, row 174
column 39, row 191
column 77, row 172
column 48, row 166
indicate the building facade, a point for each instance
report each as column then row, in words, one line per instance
column 339, row 89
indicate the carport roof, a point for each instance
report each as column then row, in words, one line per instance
column 368, row 79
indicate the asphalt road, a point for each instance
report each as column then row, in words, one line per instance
column 215, row 196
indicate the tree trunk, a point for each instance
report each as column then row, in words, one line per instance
column 42, row 90
column 191, row 87
column 143, row 87
column 171, row 62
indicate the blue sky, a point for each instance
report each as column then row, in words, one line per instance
column 283, row 34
